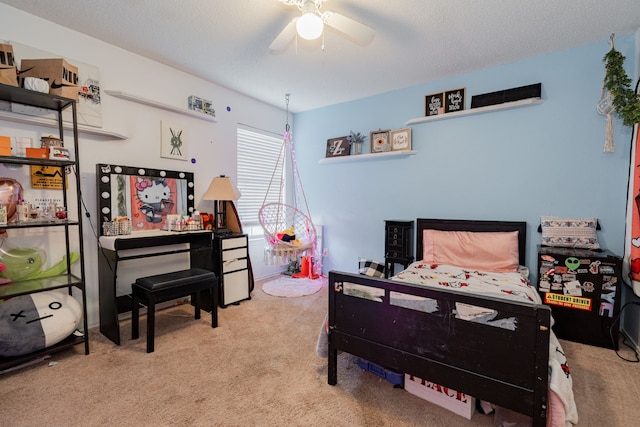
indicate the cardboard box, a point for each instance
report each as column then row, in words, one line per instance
column 37, row 153
column 8, row 72
column 5, row 145
column 61, row 76
column 450, row 399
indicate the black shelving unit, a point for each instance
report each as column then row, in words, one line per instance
column 68, row 281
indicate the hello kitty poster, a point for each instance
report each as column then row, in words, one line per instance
column 153, row 199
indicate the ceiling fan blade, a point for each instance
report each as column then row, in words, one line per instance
column 285, row 36
column 360, row 33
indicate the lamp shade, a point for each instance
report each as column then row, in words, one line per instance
column 309, row 26
column 221, row 188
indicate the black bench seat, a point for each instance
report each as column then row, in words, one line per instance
column 164, row 287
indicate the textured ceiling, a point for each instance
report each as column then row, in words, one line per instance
column 416, row 41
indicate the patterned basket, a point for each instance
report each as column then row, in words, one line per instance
column 116, row 228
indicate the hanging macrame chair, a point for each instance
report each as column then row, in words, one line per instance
column 288, row 229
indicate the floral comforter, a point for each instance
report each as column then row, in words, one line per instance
column 512, row 286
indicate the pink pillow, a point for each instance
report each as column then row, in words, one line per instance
column 488, row 251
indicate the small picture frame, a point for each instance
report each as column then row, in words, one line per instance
column 380, row 142
column 434, row 104
column 454, row 100
column 174, row 141
column 401, row 139
column 338, row 147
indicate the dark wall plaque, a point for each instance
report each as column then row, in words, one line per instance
column 434, row 104
column 454, row 100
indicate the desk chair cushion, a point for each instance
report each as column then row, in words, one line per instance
column 181, row 278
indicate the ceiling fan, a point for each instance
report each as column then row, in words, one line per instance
column 310, row 25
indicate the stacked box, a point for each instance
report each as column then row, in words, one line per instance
column 61, row 75
column 450, row 399
column 5, row 146
column 37, row 153
column 8, row 72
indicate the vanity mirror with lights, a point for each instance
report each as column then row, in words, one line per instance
column 143, row 195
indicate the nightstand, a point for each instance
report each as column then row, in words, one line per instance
column 231, row 265
column 583, row 288
column 398, row 247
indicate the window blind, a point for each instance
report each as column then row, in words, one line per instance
column 258, row 153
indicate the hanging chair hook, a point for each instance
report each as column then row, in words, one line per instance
column 286, row 97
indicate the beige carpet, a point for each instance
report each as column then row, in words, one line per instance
column 291, row 287
column 259, row 368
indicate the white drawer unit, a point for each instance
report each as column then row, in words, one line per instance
column 231, row 265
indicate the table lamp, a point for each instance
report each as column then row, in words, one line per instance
column 220, row 191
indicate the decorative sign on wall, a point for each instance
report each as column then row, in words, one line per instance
column 205, row 106
column 401, row 139
column 174, row 144
column 380, row 141
column 454, row 100
column 337, row 147
column 46, row 177
column 434, row 104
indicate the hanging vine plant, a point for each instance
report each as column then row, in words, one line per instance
column 625, row 101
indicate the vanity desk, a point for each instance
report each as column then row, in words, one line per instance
column 114, row 250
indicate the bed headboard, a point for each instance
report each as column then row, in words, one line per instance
column 473, row 225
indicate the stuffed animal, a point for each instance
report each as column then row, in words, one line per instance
column 3, row 280
column 36, row 321
column 287, row 235
column 27, row 263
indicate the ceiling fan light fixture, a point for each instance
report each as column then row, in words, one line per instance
column 309, row 26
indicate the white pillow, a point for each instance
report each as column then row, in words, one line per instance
column 569, row 232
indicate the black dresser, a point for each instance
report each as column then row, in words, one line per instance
column 398, row 244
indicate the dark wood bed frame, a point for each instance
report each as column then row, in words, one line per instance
column 507, row 368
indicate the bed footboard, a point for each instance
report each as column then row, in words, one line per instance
column 501, row 357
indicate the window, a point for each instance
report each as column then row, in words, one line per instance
column 258, row 152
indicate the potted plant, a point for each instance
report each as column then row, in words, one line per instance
column 356, row 140
column 625, row 101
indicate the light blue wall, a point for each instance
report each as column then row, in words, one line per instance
column 515, row 164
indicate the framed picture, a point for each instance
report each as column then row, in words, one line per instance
column 401, row 139
column 337, row 147
column 454, row 100
column 434, row 104
column 380, row 141
column 174, row 142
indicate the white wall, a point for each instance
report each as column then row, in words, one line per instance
column 212, row 145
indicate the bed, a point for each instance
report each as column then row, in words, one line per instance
column 422, row 330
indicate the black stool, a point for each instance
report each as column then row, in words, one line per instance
column 164, row 287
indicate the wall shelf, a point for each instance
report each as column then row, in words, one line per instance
column 369, row 156
column 53, row 123
column 504, row 106
column 139, row 100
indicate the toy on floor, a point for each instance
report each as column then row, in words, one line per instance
column 36, row 321
column 306, row 269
